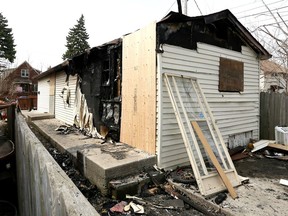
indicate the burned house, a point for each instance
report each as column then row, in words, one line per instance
column 118, row 88
column 85, row 91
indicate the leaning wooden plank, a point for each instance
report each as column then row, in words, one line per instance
column 278, row 146
column 214, row 160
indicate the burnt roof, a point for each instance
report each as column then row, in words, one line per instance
column 227, row 16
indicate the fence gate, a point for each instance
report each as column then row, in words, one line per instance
column 213, row 168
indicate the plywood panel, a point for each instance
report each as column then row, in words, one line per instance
column 138, row 121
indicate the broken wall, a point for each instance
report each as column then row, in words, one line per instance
column 99, row 79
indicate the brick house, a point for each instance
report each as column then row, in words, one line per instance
column 18, row 84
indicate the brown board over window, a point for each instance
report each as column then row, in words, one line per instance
column 231, row 75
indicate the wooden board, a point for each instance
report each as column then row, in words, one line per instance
column 215, row 162
column 138, row 118
column 278, row 146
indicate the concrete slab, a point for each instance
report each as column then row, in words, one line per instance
column 100, row 162
column 35, row 115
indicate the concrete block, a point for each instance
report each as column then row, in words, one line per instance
column 100, row 168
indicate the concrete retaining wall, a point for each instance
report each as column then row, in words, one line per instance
column 43, row 187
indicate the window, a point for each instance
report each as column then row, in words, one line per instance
column 231, row 75
column 24, row 73
column 25, row 87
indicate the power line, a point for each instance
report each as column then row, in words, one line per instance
column 264, row 20
column 261, row 13
column 198, row 7
column 239, row 6
column 170, row 7
column 258, row 7
column 270, row 24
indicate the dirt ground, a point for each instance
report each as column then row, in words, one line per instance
column 263, row 195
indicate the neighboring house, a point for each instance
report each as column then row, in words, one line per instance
column 120, row 84
column 18, row 84
column 273, row 77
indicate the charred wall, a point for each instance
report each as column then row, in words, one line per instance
column 187, row 33
column 99, row 73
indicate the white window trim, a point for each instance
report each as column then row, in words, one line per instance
column 24, row 73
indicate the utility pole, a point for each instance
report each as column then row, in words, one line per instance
column 184, row 6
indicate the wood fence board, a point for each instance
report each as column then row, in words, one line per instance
column 273, row 112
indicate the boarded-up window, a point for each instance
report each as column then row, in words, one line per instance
column 231, row 75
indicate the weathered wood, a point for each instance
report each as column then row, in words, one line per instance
column 214, row 160
column 273, row 112
column 204, row 205
column 278, row 146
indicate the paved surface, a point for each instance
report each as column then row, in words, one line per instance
column 99, row 161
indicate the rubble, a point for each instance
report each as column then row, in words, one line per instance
column 162, row 194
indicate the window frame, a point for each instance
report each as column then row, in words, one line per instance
column 25, row 73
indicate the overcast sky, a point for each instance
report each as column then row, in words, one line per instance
column 40, row 27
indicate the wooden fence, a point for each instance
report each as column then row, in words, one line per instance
column 273, row 112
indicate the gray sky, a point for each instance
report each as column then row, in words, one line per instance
column 40, row 27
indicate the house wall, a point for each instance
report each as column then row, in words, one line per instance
column 46, row 94
column 15, row 76
column 274, row 79
column 138, row 118
column 235, row 113
column 64, row 111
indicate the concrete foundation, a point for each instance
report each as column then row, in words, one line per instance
column 99, row 162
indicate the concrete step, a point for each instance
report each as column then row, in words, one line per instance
column 110, row 161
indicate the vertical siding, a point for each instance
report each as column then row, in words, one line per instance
column 235, row 113
column 63, row 111
column 43, row 95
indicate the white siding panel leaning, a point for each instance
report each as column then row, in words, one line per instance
column 43, row 95
column 234, row 112
column 64, row 103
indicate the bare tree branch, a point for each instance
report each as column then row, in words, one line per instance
column 279, row 26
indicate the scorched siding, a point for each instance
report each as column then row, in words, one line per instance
column 234, row 112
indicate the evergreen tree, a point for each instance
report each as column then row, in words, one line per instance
column 7, row 46
column 76, row 39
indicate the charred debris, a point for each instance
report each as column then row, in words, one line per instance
column 99, row 80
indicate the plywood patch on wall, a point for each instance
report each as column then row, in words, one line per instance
column 138, row 121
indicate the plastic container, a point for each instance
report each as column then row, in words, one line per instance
column 281, row 135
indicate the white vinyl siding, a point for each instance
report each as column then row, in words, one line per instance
column 234, row 112
column 43, row 95
column 63, row 111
